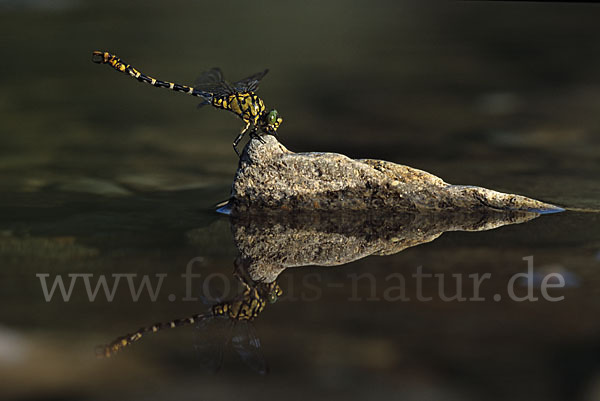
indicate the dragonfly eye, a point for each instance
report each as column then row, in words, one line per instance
column 272, row 117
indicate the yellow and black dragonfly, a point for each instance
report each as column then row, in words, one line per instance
column 231, row 319
column 238, row 97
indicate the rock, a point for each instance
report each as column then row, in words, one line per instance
column 270, row 176
column 270, row 242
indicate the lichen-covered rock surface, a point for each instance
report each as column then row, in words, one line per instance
column 270, row 176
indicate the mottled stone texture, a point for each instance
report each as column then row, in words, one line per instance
column 273, row 241
column 271, row 177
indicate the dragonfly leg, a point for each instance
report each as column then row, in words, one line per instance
column 257, row 135
column 239, row 138
column 240, row 272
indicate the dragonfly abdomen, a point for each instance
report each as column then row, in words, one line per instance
column 124, row 341
column 119, row 65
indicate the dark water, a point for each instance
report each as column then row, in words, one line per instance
column 102, row 175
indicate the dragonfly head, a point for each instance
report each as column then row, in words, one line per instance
column 271, row 121
column 274, row 292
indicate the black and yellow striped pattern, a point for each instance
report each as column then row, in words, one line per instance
column 248, row 106
column 245, row 307
column 121, row 66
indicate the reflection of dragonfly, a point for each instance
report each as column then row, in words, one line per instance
column 239, row 97
column 215, row 333
column 243, row 308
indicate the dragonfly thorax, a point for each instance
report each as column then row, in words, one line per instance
column 250, row 304
column 248, row 106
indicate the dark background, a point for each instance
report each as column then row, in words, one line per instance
column 101, row 174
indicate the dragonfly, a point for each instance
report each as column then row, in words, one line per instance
column 243, row 308
column 239, row 97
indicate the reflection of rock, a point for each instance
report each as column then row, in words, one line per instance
column 270, row 176
column 269, row 243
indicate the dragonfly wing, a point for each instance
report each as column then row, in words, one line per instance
column 247, row 345
column 211, row 338
column 212, row 81
column 209, row 79
column 250, row 84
